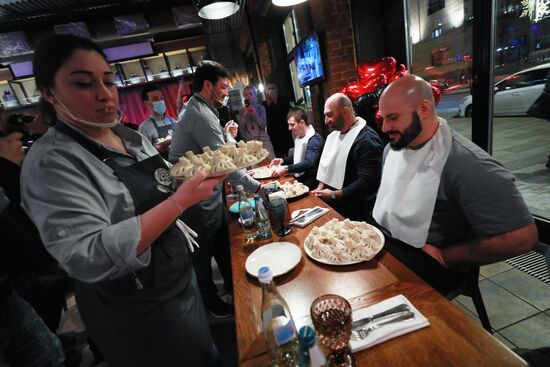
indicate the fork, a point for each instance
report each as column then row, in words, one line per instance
column 361, row 334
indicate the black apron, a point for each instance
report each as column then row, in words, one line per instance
column 154, row 316
column 164, row 131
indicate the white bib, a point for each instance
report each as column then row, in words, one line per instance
column 332, row 166
column 300, row 147
column 409, row 186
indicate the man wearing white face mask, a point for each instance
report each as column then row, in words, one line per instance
column 200, row 127
column 158, row 125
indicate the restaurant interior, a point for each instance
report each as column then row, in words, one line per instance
column 311, row 49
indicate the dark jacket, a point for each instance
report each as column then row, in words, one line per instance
column 310, row 163
column 362, row 179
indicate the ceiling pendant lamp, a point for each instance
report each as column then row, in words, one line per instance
column 213, row 10
column 287, row 2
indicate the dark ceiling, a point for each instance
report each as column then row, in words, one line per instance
column 22, row 14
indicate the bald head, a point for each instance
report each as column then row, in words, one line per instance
column 407, row 108
column 339, row 100
column 339, row 113
column 411, row 90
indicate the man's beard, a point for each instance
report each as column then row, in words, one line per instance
column 406, row 137
column 338, row 124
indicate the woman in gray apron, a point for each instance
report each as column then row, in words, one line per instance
column 102, row 200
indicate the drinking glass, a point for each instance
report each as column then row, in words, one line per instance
column 278, row 209
column 331, row 316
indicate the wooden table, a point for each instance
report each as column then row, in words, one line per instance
column 452, row 339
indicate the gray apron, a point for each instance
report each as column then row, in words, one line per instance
column 164, row 131
column 154, row 316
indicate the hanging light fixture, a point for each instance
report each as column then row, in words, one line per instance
column 213, row 10
column 287, row 2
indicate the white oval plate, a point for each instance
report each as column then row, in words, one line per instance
column 325, row 261
column 280, row 257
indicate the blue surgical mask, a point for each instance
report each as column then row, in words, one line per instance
column 159, row 107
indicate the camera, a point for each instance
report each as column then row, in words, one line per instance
column 246, row 103
column 20, row 119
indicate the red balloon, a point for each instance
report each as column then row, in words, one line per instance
column 356, row 89
column 378, row 118
column 437, row 94
column 400, row 70
column 384, row 66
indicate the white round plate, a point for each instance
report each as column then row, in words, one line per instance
column 325, row 261
column 280, row 257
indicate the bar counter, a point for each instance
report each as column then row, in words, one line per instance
column 452, row 339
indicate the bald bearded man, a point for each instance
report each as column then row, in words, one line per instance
column 350, row 167
column 450, row 203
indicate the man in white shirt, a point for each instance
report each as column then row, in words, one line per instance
column 350, row 167
column 158, row 125
column 308, row 146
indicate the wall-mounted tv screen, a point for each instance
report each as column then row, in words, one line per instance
column 13, row 44
column 79, row 29
column 307, row 55
column 119, row 53
column 21, row 69
column 131, row 24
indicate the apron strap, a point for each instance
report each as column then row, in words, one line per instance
column 100, row 153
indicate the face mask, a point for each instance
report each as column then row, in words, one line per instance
column 159, row 107
column 217, row 102
column 107, row 125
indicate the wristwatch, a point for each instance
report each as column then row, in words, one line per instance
column 333, row 195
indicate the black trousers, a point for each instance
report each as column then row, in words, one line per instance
column 213, row 242
column 432, row 272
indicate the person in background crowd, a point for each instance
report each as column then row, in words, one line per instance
column 350, row 167
column 200, row 127
column 449, row 202
column 308, row 146
column 103, row 212
column 276, row 108
column 183, row 92
column 252, row 120
column 24, row 338
column 35, row 275
column 158, row 125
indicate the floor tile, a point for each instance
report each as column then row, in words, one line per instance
column 525, row 286
column 505, row 341
column 470, row 314
column 488, row 271
column 502, row 307
column 531, row 333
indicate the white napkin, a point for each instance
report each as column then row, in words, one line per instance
column 332, row 166
column 277, row 195
column 387, row 332
column 303, row 223
column 189, row 234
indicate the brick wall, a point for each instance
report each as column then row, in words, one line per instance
column 261, row 34
column 332, row 21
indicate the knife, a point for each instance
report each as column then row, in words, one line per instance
column 365, row 320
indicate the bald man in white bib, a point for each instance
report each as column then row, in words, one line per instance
column 449, row 203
